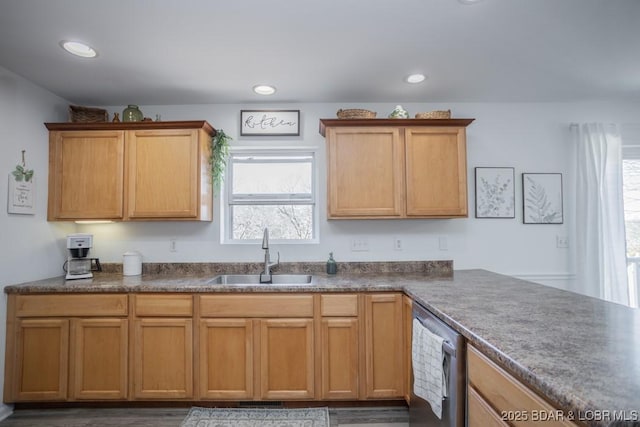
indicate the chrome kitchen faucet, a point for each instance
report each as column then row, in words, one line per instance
column 265, row 276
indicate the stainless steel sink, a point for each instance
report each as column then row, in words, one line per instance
column 254, row 279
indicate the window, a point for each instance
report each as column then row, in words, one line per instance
column 272, row 188
column 631, row 194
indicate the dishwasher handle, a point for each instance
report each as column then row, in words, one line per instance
column 447, row 347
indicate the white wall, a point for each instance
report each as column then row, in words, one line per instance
column 532, row 137
column 31, row 247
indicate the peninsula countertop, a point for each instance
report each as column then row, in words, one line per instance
column 580, row 352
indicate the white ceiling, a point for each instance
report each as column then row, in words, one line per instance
column 215, row 51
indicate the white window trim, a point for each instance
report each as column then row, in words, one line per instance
column 225, row 203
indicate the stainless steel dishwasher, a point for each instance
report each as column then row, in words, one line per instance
column 453, row 406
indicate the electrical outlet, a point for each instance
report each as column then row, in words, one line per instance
column 562, row 241
column 360, row 245
column 173, row 245
column 397, row 243
column 443, row 244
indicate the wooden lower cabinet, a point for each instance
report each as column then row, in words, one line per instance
column 76, row 359
column 339, row 348
column 162, row 343
column 42, row 359
column 383, row 357
column 286, row 359
column 226, row 359
column 480, row 413
column 163, row 358
column 257, row 347
column 66, row 347
column 492, row 392
column 164, row 346
column 258, row 359
column 407, row 316
column 99, row 350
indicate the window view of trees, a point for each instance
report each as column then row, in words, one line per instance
column 631, row 191
column 284, row 221
column 274, row 191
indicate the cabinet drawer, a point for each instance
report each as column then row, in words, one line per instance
column 503, row 392
column 257, row 305
column 86, row 305
column 339, row 305
column 164, row 305
column 480, row 413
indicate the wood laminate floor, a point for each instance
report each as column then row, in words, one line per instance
column 172, row 417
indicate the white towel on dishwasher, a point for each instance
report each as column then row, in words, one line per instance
column 429, row 380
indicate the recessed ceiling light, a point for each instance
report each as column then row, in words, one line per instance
column 415, row 78
column 79, row 49
column 469, row 1
column 264, row 90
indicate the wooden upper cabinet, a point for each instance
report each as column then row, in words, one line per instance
column 130, row 171
column 436, row 171
column 163, row 173
column 365, row 172
column 396, row 168
column 86, row 175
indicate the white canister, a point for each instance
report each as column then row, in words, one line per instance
column 132, row 264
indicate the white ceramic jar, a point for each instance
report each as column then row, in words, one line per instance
column 132, row 263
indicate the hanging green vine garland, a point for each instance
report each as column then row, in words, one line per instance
column 218, row 159
column 22, row 174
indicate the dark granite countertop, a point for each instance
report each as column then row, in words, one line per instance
column 580, row 352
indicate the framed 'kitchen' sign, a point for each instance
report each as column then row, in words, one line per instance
column 269, row 122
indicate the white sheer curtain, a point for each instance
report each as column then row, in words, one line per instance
column 600, row 236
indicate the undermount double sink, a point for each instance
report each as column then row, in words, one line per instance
column 254, row 279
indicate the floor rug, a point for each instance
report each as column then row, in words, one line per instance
column 256, row 417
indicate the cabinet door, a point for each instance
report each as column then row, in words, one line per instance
column 383, row 346
column 340, row 358
column 99, row 358
column 365, row 172
column 407, row 313
column 42, row 358
column 226, row 359
column 286, row 359
column 163, row 363
column 86, row 175
column 163, row 172
column 436, row 171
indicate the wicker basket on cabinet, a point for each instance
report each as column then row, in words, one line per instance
column 437, row 114
column 78, row 114
column 356, row 113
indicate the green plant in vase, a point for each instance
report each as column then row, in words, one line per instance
column 219, row 155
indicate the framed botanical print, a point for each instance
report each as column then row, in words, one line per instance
column 542, row 198
column 495, row 192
